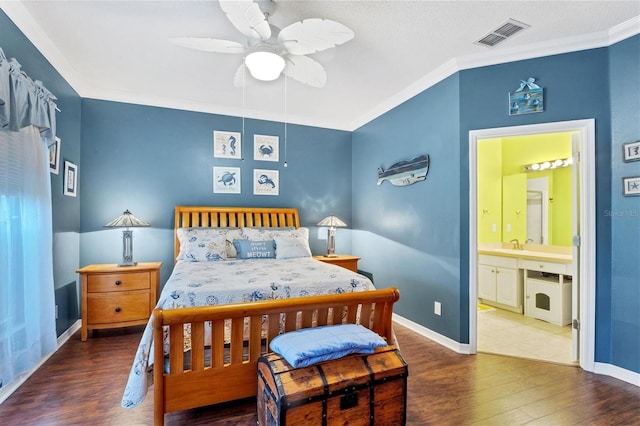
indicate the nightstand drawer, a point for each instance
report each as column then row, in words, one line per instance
column 118, row 282
column 106, row 308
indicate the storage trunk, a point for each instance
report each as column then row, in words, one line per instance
column 355, row 390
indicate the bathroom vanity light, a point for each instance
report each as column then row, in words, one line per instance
column 126, row 220
column 548, row 165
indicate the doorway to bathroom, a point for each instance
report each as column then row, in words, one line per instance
column 569, row 314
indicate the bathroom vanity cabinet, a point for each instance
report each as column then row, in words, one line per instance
column 500, row 282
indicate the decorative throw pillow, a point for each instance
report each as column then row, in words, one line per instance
column 263, row 234
column 248, row 249
column 190, row 236
column 287, row 248
column 199, row 248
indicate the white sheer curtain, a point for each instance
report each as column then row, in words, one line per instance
column 27, row 304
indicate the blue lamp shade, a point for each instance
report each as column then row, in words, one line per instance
column 126, row 220
column 331, row 222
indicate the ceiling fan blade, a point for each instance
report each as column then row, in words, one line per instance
column 305, row 70
column 247, row 17
column 243, row 77
column 313, row 35
column 209, row 44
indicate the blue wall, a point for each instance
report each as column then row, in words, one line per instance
column 409, row 236
column 66, row 210
column 149, row 160
column 407, row 232
column 621, row 327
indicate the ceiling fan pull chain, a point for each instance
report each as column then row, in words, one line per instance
column 285, row 121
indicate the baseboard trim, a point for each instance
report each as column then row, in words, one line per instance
column 617, row 373
column 9, row 389
column 461, row 348
column 62, row 339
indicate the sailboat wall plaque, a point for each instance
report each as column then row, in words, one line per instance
column 405, row 172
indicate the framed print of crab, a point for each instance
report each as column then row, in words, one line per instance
column 266, row 182
column 226, row 180
column 227, row 144
column 266, row 148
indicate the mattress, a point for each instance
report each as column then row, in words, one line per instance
column 235, row 281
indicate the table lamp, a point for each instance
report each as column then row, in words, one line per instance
column 332, row 222
column 126, row 220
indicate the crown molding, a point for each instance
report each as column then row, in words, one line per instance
column 27, row 24
column 208, row 108
column 489, row 57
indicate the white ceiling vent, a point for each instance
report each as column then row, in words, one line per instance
column 504, row 31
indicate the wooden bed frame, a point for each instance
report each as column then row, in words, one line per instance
column 228, row 371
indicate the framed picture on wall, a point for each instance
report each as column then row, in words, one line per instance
column 227, row 144
column 266, row 182
column 226, row 180
column 70, row 179
column 631, row 151
column 527, row 99
column 266, row 148
column 54, row 156
column 631, row 186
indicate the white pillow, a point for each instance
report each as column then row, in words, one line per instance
column 287, row 248
column 193, row 242
column 265, row 234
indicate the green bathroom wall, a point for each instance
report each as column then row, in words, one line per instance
column 489, row 190
column 514, row 207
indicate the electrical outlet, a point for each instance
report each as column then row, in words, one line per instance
column 437, row 308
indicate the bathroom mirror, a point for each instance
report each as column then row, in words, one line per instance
column 531, row 205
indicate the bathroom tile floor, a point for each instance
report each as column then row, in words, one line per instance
column 508, row 333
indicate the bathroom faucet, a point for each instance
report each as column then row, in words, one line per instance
column 516, row 244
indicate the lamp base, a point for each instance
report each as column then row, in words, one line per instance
column 330, row 255
column 128, row 264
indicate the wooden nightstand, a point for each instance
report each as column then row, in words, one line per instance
column 118, row 296
column 345, row 260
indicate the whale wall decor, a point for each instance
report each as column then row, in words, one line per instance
column 405, row 172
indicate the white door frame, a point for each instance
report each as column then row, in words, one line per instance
column 587, row 218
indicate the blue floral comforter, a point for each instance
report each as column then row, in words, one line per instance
column 234, row 281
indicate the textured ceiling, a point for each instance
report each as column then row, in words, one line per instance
column 118, row 50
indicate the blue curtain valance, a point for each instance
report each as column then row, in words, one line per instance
column 24, row 102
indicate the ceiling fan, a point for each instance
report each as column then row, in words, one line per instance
column 268, row 50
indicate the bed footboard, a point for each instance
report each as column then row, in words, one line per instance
column 226, row 370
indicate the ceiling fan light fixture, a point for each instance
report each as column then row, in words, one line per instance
column 264, row 65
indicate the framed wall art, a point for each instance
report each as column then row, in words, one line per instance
column 266, row 148
column 54, row 156
column 631, row 186
column 631, row 151
column 70, row 179
column 227, row 144
column 528, row 98
column 266, row 182
column 226, row 180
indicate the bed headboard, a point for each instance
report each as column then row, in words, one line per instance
column 223, row 217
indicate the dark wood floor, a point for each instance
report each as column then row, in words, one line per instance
column 82, row 384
